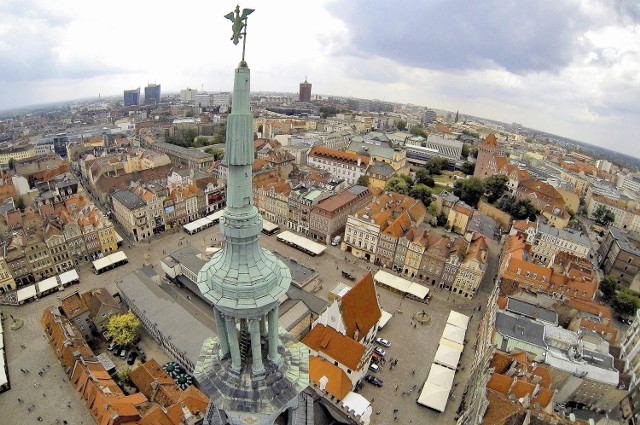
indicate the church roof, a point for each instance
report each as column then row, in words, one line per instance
column 360, row 309
column 325, row 339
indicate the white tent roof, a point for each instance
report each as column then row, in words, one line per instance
column 68, row 276
column 356, row 403
column 117, row 256
column 26, row 293
column 384, row 319
column 400, row 284
column 453, row 333
column 447, row 356
column 454, row 345
column 47, row 284
column 458, row 319
column 441, row 376
column 434, row 397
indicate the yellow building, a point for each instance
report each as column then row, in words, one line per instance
column 107, row 237
column 6, row 279
column 17, row 153
column 459, row 217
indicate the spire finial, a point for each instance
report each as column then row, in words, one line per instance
column 239, row 26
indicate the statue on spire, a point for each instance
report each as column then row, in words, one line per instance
column 239, row 26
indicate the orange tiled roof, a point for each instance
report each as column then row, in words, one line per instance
column 345, row 350
column 342, row 156
column 500, row 383
column 338, row 385
column 360, row 309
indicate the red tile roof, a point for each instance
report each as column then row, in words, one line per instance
column 360, row 309
column 346, row 351
column 338, row 385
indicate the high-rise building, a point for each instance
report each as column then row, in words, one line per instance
column 429, row 116
column 305, row 91
column 132, row 97
column 152, row 94
column 252, row 373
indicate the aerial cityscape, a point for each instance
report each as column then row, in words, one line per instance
column 206, row 232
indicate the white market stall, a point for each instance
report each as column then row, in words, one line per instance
column 69, row 277
column 447, row 356
column 435, row 391
column 453, row 333
column 27, row 293
column 399, row 284
column 47, row 286
column 458, row 319
column 454, row 345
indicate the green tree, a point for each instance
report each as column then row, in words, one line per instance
column 441, row 219
column 466, row 149
column 433, row 210
column 12, row 163
column 401, row 125
column 422, row 192
column 363, row 181
column 626, row 302
column 469, row 190
column 123, row 328
column 518, row 209
column 495, row 186
column 468, row 168
column 603, row 215
column 418, row 130
column 123, row 376
column 423, row 177
column 216, row 152
column 20, row 203
column 435, row 165
column 397, row 184
column 608, row 287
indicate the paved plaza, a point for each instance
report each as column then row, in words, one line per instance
column 53, row 398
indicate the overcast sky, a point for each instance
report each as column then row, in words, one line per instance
column 563, row 66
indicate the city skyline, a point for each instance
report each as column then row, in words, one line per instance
column 568, row 68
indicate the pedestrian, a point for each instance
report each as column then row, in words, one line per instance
column 23, row 347
column 396, row 388
column 395, row 410
column 39, row 418
column 44, row 395
column 413, row 372
column 373, row 399
column 20, row 400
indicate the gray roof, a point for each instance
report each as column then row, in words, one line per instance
column 434, row 138
column 129, row 199
column 532, row 311
column 381, row 168
column 622, row 239
column 188, row 258
column 520, row 328
column 357, row 189
column 172, row 320
column 483, row 224
column 193, row 153
column 572, row 235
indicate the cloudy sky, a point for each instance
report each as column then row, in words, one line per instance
column 571, row 67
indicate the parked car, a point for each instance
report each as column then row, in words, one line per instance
column 374, row 380
column 348, row 275
column 123, row 353
column 379, row 351
column 625, row 319
column 132, row 358
column 336, row 240
column 374, row 367
column 116, row 349
column 383, row 341
column 111, row 346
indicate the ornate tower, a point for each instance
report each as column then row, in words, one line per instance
column 250, row 371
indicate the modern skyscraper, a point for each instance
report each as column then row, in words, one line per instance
column 305, row 91
column 132, row 97
column 152, row 94
column 250, row 371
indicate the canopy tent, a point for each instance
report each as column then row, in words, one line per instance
column 441, row 376
column 47, row 284
column 402, row 285
column 447, row 356
column 27, row 293
column 384, row 319
column 434, row 396
column 118, row 256
column 356, row 403
column 458, row 319
column 453, row 333
column 68, row 276
column 454, row 345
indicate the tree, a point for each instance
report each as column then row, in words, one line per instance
column 12, row 163
column 123, row 328
column 433, row 210
column 422, row 192
column 363, row 181
column 418, row 130
column 123, row 376
column 441, row 220
column 626, row 302
column 466, row 149
column 608, row 287
column 495, row 186
column 20, row 203
column 401, row 125
column 468, row 168
column 603, row 215
column 518, row 209
column 469, row 190
column 435, row 165
column 423, row 177
column 216, row 152
column 397, row 184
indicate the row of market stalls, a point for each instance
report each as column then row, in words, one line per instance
column 439, row 384
column 47, row 286
column 395, row 283
column 4, row 376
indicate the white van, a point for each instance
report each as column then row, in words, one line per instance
column 336, row 240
